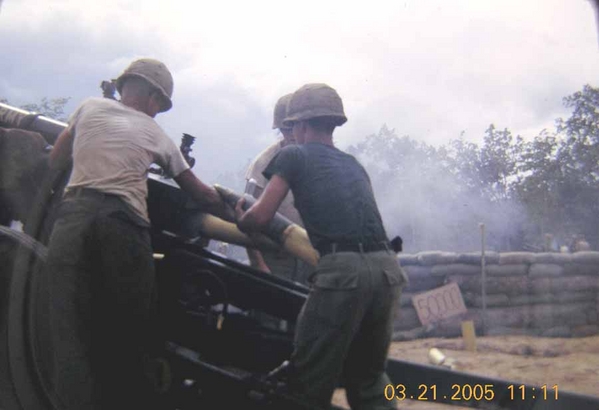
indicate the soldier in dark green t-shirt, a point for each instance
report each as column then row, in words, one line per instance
column 344, row 329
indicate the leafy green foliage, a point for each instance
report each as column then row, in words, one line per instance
column 522, row 190
column 558, row 177
column 436, row 197
column 53, row 108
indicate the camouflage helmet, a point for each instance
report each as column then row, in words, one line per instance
column 312, row 101
column 280, row 111
column 154, row 72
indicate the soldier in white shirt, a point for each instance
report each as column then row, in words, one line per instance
column 279, row 263
column 96, row 298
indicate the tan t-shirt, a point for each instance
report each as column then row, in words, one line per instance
column 113, row 148
column 254, row 171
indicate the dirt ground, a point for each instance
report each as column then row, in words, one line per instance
column 572, row 364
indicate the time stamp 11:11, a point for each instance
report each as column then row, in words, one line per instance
column 467, row 392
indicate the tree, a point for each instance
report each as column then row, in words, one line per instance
column 53, row 108
column 486, row 176
column 539, row 183
column 500, row 156
column 581, row 133
column 465, row 164
column 579, row 158
column 435, row 197
column 558, row 180
column 421, row 193
column 489, row 170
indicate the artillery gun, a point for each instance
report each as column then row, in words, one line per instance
column 214, row 355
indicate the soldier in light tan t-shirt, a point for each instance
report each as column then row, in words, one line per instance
column 279, row 263
column 94, row 302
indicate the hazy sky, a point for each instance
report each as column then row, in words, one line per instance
column 429, row 69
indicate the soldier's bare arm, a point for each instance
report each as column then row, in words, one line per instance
column 256, row 258
column 205, row 195
column 61, row 154
column 262, row 212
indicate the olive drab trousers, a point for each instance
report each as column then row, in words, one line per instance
column 345, row 327
column 93, row 306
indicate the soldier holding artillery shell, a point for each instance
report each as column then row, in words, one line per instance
column 344, row 329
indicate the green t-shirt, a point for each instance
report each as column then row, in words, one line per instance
column 332, row 193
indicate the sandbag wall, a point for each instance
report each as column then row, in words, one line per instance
column 541, row 294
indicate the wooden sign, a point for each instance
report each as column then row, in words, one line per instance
column 438, row 304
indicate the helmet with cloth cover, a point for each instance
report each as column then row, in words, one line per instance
column 280, row 111
column 313, row 101
column 154, row 72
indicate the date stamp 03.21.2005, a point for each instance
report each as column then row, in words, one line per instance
column 469, row 392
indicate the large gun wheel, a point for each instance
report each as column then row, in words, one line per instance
column 20, row 387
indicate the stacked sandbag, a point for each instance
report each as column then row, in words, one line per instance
column 545, row 294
